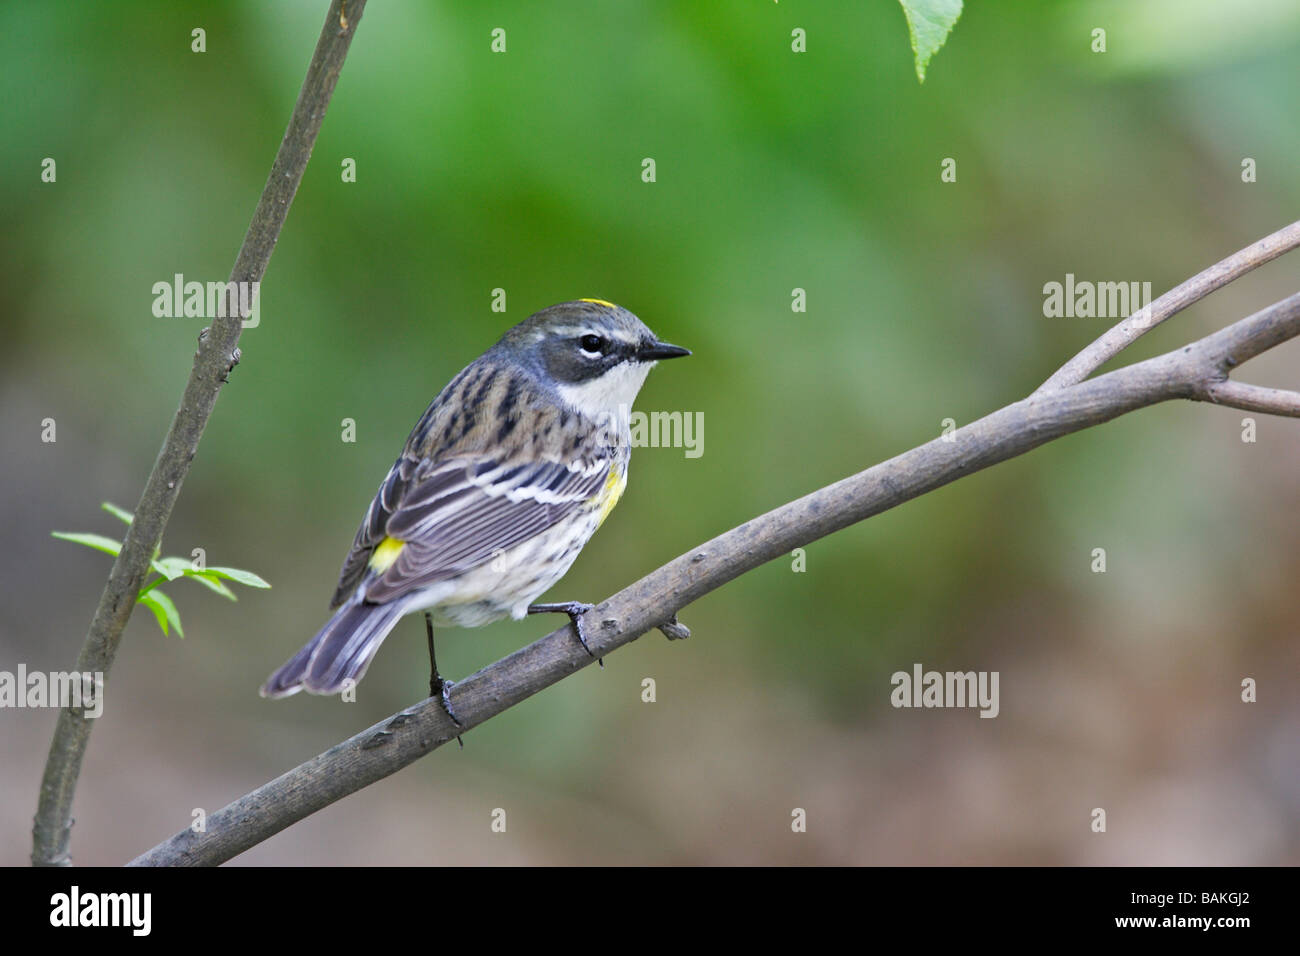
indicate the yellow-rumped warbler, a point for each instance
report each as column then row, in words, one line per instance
column 505, row 477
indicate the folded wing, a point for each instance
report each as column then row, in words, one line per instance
column 458, row 514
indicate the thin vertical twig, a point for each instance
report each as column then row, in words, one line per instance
column 216, row 356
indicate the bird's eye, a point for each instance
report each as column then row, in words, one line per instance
column 592, row 344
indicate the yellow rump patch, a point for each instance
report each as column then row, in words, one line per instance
column 612, row 491
column 600, row 302
column 385, row 554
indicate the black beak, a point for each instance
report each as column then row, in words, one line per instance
column 660, row 350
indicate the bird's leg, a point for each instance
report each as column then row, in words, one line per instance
column 575, row 610
column 438, row 687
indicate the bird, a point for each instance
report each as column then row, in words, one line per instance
column 502, row 481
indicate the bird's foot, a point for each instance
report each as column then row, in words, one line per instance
column 575, row 610
column 439, row 686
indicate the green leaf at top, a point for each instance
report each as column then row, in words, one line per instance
column 96, row 541
column 929, row 22
column 242, row 577
column 117, row 512
column 164, row 610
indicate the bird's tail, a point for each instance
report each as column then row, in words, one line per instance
column 340, row 651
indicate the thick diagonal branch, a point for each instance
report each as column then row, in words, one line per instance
column 215, row 357
column 383, row 749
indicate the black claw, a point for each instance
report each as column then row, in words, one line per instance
column 575, row 610
column 580, row 628
column 442, row 691
column 444, row 695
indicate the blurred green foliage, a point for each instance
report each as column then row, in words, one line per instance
column 521, row 171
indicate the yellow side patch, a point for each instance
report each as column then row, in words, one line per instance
column 385, row 554
column 600, row 302
column 612, row 491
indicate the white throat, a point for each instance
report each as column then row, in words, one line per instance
column 609, row 395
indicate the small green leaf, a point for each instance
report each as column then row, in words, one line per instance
column 117, row 512
column 209, row 580
column 242, row 577
column 171, row 568
column 96, row 541
column 148, row 587
column 929, row 22
column 151, row 602
column 170, row 614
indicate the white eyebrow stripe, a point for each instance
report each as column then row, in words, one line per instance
column 614, row 335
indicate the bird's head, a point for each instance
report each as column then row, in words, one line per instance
column 594, row 354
